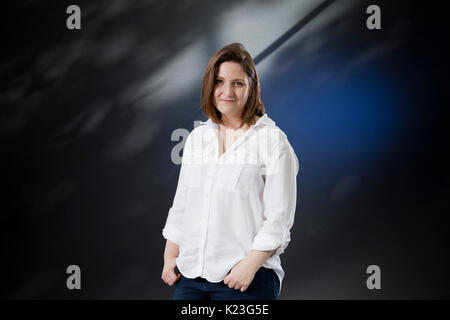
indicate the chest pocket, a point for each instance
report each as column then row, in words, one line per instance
column 238, row 178
column 193, row 175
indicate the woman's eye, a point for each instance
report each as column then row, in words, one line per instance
column 217, row 81
column 239, row 84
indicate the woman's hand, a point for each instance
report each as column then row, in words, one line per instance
column 241, row 275
column 170, row 256
column 244, row 271
column 168, row 274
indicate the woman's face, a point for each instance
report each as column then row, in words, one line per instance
column 231, row 89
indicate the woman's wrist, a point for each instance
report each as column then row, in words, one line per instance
column 169, row 257
column 171, row 251
column 257, row 258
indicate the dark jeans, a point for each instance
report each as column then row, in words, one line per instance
column 265, row 286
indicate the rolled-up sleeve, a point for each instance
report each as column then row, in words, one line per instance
column 279, row 198
column 174, row 222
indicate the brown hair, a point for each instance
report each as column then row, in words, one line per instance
column 234, row 52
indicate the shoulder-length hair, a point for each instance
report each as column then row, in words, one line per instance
column 234, row 52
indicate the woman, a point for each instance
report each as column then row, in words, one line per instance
column 236, row 194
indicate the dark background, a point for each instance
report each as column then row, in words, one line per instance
column 86, row 118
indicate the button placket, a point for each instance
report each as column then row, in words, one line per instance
column 205, row 215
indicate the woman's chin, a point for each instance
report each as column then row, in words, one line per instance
column 228, row 110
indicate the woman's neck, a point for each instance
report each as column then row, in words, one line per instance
column 230, row 123
column 234, row 124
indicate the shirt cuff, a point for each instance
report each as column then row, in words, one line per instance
column 171, row 234
column 265, row 242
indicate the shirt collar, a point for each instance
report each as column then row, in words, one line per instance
column 264, row 120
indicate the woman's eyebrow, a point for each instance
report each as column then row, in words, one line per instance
column 219, row 77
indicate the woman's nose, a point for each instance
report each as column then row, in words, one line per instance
column 228, row 90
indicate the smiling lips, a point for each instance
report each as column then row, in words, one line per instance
column 228, row 101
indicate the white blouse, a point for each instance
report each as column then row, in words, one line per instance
column 227, row 205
